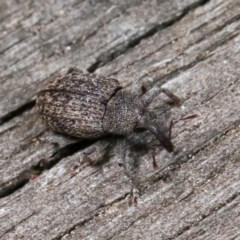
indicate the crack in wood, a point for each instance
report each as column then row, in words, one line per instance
column 23, row 220
column 99, row 210
column 13, row 185
column 20, row 110
column 205, row 216
column 133, row 42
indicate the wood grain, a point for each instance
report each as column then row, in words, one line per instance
column 49, row 191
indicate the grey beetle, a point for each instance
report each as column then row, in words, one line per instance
column 86, row 105
column 89, row 106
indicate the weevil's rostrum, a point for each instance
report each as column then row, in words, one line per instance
column 86, row 105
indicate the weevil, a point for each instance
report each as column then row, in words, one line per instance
column 89, row 106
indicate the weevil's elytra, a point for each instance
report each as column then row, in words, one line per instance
column 75, row 103
column 86, row 105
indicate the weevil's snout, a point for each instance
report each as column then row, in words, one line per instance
column 162, row 138
column 167, row 144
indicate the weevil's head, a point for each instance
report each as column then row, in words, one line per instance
column 126, row 113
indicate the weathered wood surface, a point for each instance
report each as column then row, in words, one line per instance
column 191, row 47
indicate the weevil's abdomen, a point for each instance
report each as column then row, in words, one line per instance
column 75, row 104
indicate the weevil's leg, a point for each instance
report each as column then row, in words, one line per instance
column 74, row 70
column 154, row 162
column 98, row 153
column 170, row 129
column 135, row 193
column 120, row 151
column 148, row 97
column 57, row 139
column 152, row 149
column 137, row 87
column 130, row 165
column 176, row 100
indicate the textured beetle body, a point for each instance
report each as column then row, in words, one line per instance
column 86, row 105
column 75, row 104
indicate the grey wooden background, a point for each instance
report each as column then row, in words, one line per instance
column 191, row 47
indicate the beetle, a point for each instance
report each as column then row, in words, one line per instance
column 86, row 105
column 89, row 106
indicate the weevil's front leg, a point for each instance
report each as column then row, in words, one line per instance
column 176, row 100
column 137, row 87
column 148, row 97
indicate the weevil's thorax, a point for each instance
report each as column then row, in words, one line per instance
column 124, row 112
